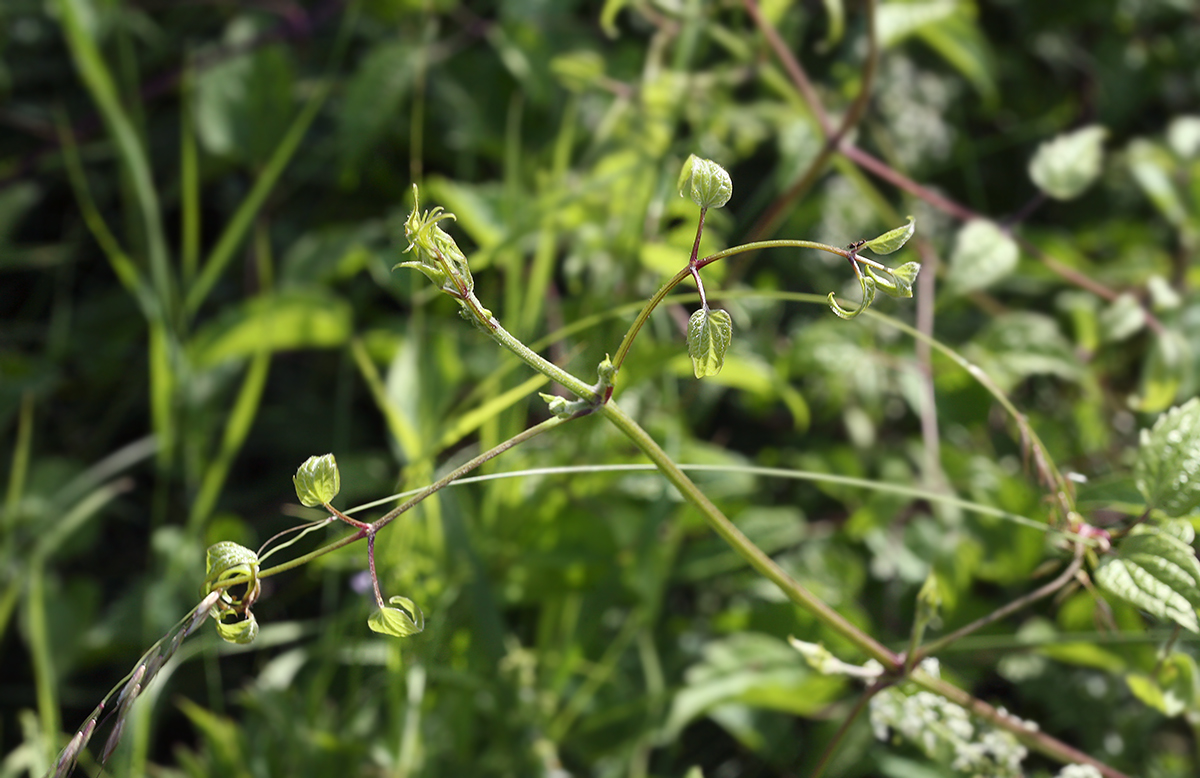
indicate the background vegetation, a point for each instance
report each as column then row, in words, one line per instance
column 199, row 210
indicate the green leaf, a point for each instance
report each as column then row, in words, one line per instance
column 1167, row 471
column 1122, row 319
column 239, row 627
column 896, row 281
column 1068, row 164
column 1014, row 346
column 1172, row 690
column 317, row 481
column 293, row 319
column 705, row 182
column 579, row 70
column 1156, row 572
column 893, row 240
column 226, row 556
column 867, row 284
column 373, row 98
column 1166, row 366
column 244, row 103
column 709, row 335
column 982, row 255
column 1154, row 169
column 398, row 622
column 896, row 21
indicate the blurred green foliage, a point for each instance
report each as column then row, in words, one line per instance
column 200, row 204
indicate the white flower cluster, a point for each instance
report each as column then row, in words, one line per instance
column 944, row 731
column 1079, row 771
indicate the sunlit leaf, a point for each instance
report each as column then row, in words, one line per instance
column 898, row 282
column 1154, row 169
column 317, row 481
column 1183, row 136
column 982, row 255
column 709, row 335
column 1122, row 319
column 1168, row 461
column 893, row 240
column 1156, row 572
column 1067, row 165
column 402, row 621
column 292, row 319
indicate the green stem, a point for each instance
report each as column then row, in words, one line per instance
column 696, row 264
column 775, row 244
column 391, row 516
column 916, row 655
column 459, row 472
column 840, row 735
column 742, row 545
column 644, row 314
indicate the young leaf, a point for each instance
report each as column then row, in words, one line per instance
column 705, row 182
column 1067, row 165
column 225, row 561
column 398, row 622
column 1168, row 461
column 867, row 283
column 709, row 335
column 1157, row 572
column 237, row 627
column 897, row 281
column 317, row 481
column 892, row 240
column 983, row 254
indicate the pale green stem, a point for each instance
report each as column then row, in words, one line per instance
column 741, row 544
column 916, row 655
column 389, row 517
column 695, row 265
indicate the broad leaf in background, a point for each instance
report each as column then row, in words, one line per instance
column 1172, row 689
column 982, row 255
column 1067, row 165
column 1168, row 462
column 1156, row 570
column 708, row 338
column 244, row 104
column 373, row 97
column 293, row 319
column 1166, row 367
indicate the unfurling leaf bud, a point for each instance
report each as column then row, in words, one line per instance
column 705, row 182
